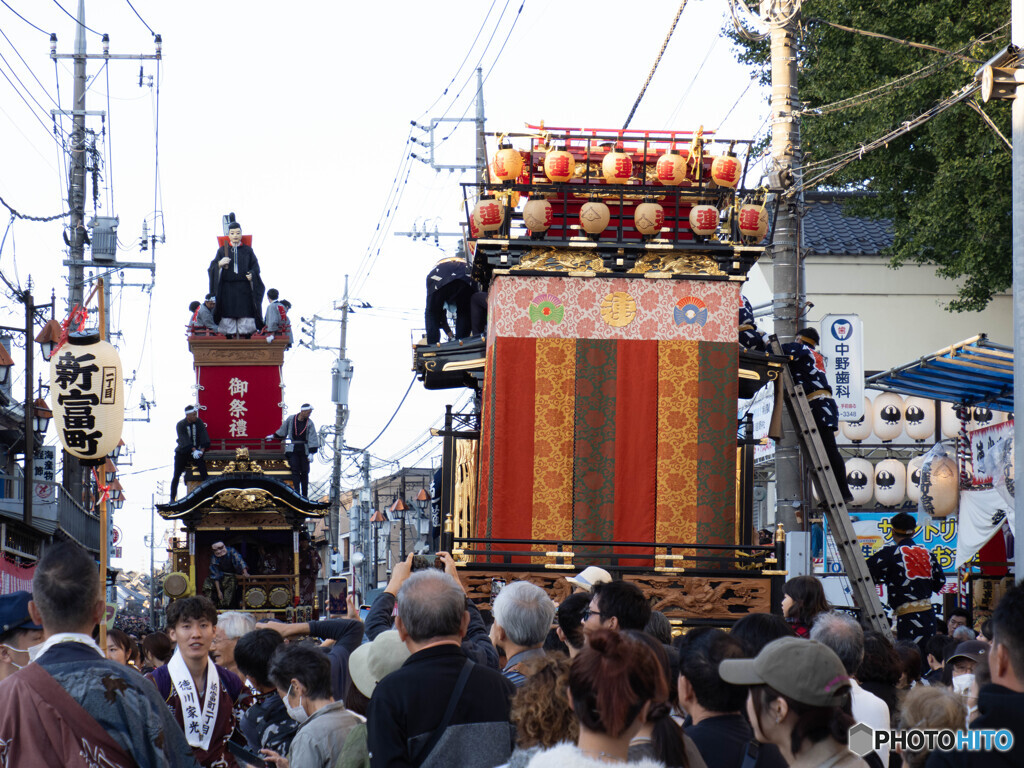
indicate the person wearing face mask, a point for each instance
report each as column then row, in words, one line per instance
column 237, row 287
column 18, row 632
column 302, row 676
column 962, row 663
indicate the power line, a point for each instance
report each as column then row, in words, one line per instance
column 18, row 53
column 679, row 106
column 25, row 20
column 879, row 35
column 464, row 59
column 75, row 18
column 654, row 68
column 140, row 18
column 400, row 404
column 16, row 214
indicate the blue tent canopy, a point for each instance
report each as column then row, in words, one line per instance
column 975, row 372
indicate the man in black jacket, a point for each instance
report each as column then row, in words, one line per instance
column 439, row 708
column 1001, row 702
column 193, row 441
column 237, row 287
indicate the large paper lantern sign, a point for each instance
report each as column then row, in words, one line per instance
column 87, row 397
column 860, row 476
column 890, row 482
column 860, row 430
column 940, row 487
column 914, row 478
column 888, row 410
column 919, row 418
column 950, row 421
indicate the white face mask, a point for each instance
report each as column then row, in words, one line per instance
column 962, row 683
column 296, row 713
column 16, row 650
column 34, row 650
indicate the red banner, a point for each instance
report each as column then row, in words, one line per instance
column 14, row 578
column 240, row 404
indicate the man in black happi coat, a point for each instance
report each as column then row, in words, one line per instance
column 236, row 284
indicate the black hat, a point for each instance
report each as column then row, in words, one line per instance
column 234, row 225
column 903, row 523
column 14, row 612
column 211, row 297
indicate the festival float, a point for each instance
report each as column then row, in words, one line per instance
column 609, row 373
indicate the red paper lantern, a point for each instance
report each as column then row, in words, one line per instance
column 488, row 214
column 671, row 169
column 559, row 165
column 649, row 218
column 507, row 163
column 725, row 170
column 617, row 167
column 594, row 217
column 538, row 215
column 703, row 220
column 753, row 222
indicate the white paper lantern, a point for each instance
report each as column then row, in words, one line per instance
column 87, row 397
column 982, row 417
column 888, row 410
column 890, row 482
column 538, row 214
column 860, row 430
column 919, row 418
column 940, row 487
column 860, row 476
column 950, row 422
column 914, row 478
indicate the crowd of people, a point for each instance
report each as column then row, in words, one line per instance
column 424, row 681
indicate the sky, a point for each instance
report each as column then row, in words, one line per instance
column 298, row 122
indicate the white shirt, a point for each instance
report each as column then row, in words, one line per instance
column 869, row 709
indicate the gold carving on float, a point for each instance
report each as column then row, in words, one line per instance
column 243, row 463
column 690, row 264
column 243, row 500
column 559, row 260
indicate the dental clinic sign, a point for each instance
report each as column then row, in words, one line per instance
column 842, row 346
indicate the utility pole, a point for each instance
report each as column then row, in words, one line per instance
column 787, row 272
column 341, row 377
column 152, row 570
column 364, row 519
column 30, row 443
column 481, row 141
column 1017, row 126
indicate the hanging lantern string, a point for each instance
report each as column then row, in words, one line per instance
column 73, row 323
column 103, row 489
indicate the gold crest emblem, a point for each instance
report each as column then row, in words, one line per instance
column 618, row 309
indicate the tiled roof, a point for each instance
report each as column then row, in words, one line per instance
column 827, row 231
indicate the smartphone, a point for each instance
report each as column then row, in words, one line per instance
column 337, row 594
column 496, row 585
column 364, row 609
column 245, row 754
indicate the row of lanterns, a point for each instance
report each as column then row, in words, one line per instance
column 890, row 415
column 890, row 482
column 671, row 168
column 595, row 215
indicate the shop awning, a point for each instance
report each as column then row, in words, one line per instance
column 973, row 372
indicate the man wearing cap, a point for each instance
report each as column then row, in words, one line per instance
column 585, row 580
column 911, row 574
column 235, row 282
column 193, row 441
column 18, row 632
column 808, row 369
column 300, row 440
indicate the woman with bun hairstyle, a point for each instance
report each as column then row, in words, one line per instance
column 803, row 599
column 612, row 684
column 798, row 701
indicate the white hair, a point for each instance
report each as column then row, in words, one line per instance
column 235, row 624
column 525, row 612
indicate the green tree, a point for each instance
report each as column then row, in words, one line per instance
column 946, row 185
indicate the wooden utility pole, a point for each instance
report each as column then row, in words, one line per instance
column 787, row 270
column 341, row 376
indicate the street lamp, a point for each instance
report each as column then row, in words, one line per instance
column 41, row 415
column 49, row 338
column 422, row 501
column 116, row 453
column 397, row 511
column 109, row 471
column 6, row 363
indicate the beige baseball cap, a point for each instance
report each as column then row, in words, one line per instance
column 804, row 670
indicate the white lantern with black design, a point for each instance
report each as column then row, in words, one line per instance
column 888, row 410
column 914, row 479
column 919, row 418
column 87, row 397
column 860, row 430
column 860, row 476
column 890, row 482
